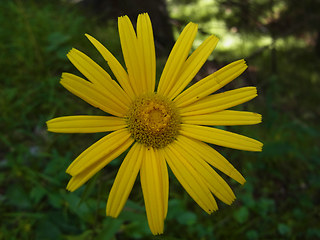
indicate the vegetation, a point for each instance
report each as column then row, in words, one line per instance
column 281, row 197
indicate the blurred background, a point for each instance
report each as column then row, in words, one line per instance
column 280, row 41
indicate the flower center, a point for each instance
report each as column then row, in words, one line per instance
column 153, row 120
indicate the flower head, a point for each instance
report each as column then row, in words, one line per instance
column 164, row 125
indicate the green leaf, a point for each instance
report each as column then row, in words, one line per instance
column 313, row 233
column 187, row 218
column 284, row 229
column 46, row 230
column 252, row 235
column 175, row 208
column 248, row 200
column 17, row 197
column 111, row 227
column 56, row 40
column 55, row 200
column 89, row 187
column 37, row 193
column 241, row 215
column 265, row 206
column 88, row 234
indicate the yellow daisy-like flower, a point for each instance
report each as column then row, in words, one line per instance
column 166, row 125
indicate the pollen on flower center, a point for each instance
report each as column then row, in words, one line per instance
column 153, row 120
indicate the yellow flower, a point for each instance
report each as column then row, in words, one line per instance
column 164, row 125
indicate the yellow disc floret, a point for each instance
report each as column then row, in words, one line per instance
column 153, row 120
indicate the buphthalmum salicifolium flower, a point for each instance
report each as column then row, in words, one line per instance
column 164, row 124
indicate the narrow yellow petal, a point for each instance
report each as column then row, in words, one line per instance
column 221, row 137
column 78, row 180
column 211, row 83
column 98, row 151
column 99, row 77
column 214, row 158
column 215, row 183
column 164, row 179
column 85, row 124
column 131, row 50
column 192, row 182
column 177, row 58
column 86, row 91
column 147, row 55
column 114, row 65
column 124, row 181
column 193, row 64
column 220, row 101
column 224, row 118
column 151, row 183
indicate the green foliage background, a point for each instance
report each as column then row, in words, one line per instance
column 281, row 197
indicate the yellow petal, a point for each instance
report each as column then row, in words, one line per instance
column 214, row 158
column 220, row 101
column 124, row 181
column 190, row 179
column 164, row 180
column 215, row 183
column 211, row 83
column 131, row 50
column 78, row 180
column 86, row 91
column 177, row 58
column 102, row 148
column 151, row 183
column 224, row 118
column 147, row 55
column 99, row 77
column 220, row 137
column 114, row 65
column 85, row 124
column 193, row 64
